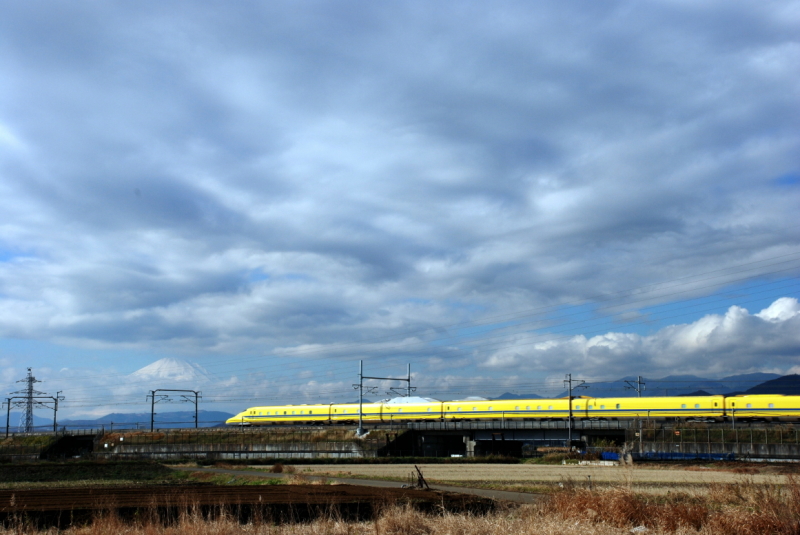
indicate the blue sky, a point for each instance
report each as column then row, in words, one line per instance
column 499, row 194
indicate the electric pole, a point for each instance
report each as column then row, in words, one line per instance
column 155, row 398
column 568, row 383
column 638, row 385
column 360, row 387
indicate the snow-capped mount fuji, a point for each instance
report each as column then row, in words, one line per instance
column 173, row 369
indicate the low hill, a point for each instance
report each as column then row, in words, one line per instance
column 142, row 420
column 788, row 385
column 511, row 395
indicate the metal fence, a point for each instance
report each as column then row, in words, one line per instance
column 777, row 442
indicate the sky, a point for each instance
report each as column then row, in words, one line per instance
column 497, row 194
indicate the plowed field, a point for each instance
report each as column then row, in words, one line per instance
column 105, row 498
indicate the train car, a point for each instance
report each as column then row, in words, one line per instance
column 411, row 408
column 348, row 412
column 687, row 407
column 272, row 414
column 766, row 407
column 510, row 408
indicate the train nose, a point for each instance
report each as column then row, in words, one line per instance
column 236, row 420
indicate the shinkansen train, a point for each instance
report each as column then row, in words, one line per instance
column 688, row 408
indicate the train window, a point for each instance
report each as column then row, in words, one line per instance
column 696, row 405
column 683, row 405
column 458, row 409
column 618, row 405
column 733, row 404
column 284, row 412
column 310, row 412
column 715, row 404
column 302, row 412
column 577, row 407
column 490, row 408
column 602, row 407
column 399, row 410
column 549, row 407
column 527, row 407
column 516, row 408
column 475, row 408
column 259, row 413
column 344, row 411
column 448, row 408
column 771, row 405
column 591, row 407
column 429, row 409
column 749, row 405
column 538, row 407
column 292, row 412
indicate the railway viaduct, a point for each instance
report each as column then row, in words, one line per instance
column 665, row 440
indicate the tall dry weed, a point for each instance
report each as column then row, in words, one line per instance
column 746, row 507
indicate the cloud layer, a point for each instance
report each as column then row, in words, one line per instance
column 223, row 181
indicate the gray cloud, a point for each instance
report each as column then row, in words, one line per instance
column 217, row 179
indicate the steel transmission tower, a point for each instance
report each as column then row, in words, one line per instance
column 26, row 425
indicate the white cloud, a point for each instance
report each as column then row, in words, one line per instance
column 715, row 345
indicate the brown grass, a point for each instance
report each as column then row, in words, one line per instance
column 277, row 468
column 744, row 508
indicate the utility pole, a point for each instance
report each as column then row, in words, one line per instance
column 568, row 383
column 35, row 400
column 360, row 388
column 8, row 414
column 186, row 398
column 638, row 385
column 165, row 397
column 56, row 399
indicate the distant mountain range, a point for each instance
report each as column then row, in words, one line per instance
column 181, row 419
column 511, row 395
column 177, row 419
column 682, row 385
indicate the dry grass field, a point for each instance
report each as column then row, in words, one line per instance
column 743, row 508
column 658, row 479
column 721, row 499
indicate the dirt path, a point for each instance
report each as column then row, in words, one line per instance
column 517, row 497
column 532, row 473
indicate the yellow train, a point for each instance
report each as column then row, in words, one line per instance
column 719, row 408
